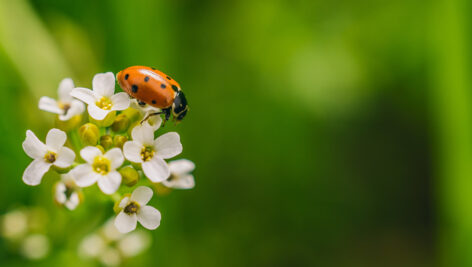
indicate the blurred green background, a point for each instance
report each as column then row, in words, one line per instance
column 325, row 133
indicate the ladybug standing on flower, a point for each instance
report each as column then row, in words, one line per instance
column 153, row 87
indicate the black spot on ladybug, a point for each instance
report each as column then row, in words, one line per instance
column 134, row 88
column 153, row 101
column 175, row 88
column 163, row 86
column 126, row 76
column 168, row 78
column 146, row 78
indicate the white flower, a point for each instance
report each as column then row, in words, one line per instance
column 67, row 107
column 35, row 246
column 102, row 99
column 134, row 243
column 45, row 155
column 180, row 177
column 100, row 168
column 134, row 209
column 67, row 192
column 151, row 153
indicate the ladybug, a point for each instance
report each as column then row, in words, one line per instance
column 155, row 88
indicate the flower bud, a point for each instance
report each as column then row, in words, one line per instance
column 89, row 134
column 130, row 175
column 121, row 123
column 107, row 121
column 132, row 114
column 162, row 190
column 119, row 140
column 68, row 125
column 106, row 141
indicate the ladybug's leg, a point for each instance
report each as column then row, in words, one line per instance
column 150, row 115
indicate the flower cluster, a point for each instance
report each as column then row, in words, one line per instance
column 109, row 144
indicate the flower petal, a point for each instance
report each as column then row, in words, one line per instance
column 124, row 202
column 149, row 217
column 156, row 169
column 185, row 181
column 35, row 171
column 132, row 151
column 154, row 121
column 65, row 157
column 181, row 166
column 84, row 94
column 144, row 134
column 104, row 84
column 89, row 153
column 55, row 139
column 96, row 112
column 73, row 201
column 115, row 156
column 120, row 101
column 125, row 223
column 84, row 175
column 60, row 195
column 109, row 183
column 142, row 195
column 65, row 87
column 33, row 147
column 168, row 145
column 76, row 107
column 50, row 105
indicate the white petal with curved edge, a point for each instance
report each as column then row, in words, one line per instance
column 104, row 84
column 181, row 166
column 185, row 181
column 65, row 87
column 115, row 156
column 124, row 202
column 60, row 195
column 154, row 121
column 109, row 183
column 65, row 157
column 35, row 171
column 50, row 105
column 84, row 94
column 149, row 217
column 132, row 151
column 55, row 139
column 142, row 195
column 168, row 145
column 120, row 101
column 76, row 107
column 125, row 223
column 89, row 153
column 33, row 147
column 96, row 112
column 156, row 169
column 73, row 201
column 144, row 134
column 84, row 175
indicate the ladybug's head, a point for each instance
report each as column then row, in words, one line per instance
column 180, row 106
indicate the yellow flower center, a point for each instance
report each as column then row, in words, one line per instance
column 50, row 157
column 147, row 153
column 104, row 103
column 64, row 106
column 101, row 165
column 131, row 208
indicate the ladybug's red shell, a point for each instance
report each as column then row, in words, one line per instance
column 148, row 85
